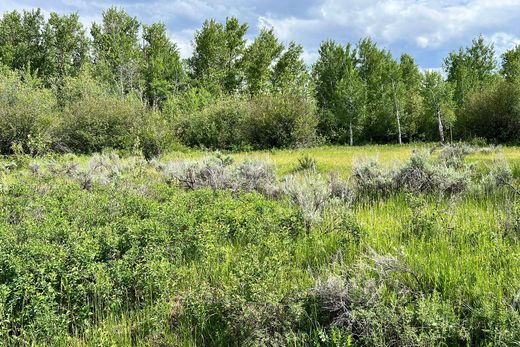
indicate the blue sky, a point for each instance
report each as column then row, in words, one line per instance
column 426, row 29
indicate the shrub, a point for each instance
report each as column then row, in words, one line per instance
column 281, row 121
column 421, row 175
column 492, row 113
column 310, row 194
column 370, row 177
column 305, row 163
column 210, row 172
column 265, row 121
column 499, row 175
column 255, row 175
column 340, row 188
column 381, row 301
column 92, row 124
column 27, row 114
column 453, row 155
column 217, row 126
column 155, row 135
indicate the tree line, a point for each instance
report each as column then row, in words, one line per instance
column 121, row 79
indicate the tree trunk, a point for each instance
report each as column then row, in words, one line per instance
column 351, row 133
column 441, row 129
column 397, row 114
column 399, row 126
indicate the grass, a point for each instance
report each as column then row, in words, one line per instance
column 133, row 260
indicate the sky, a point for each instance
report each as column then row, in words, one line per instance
column 428, row 30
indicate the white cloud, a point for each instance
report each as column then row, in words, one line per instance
column 503, row 42
column 183, row 40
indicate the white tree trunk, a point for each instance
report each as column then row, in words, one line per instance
column 399, row 126
column 397, row 114
column 441, row 128
column 351, row 133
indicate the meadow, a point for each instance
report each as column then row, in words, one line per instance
column 321, row 246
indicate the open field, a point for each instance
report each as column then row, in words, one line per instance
column 182, row 250
column 341, row 158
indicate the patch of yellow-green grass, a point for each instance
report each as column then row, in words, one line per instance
column 331, row 158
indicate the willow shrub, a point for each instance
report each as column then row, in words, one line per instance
column 261, row 122
column 26, row 113
column 281, row 121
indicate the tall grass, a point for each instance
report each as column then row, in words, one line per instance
column 104, row 250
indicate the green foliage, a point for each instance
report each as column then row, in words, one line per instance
column 306, row 163
column 163, row 71
column 100, row 250
column 492, row 113
column 65, row 47
column 438, row 102
column 91, row 124
column 265, row 121
column 218, row 125
column 470, row 68
column 511, row 64
column 20, row 35
column 218, row 51
column 27, row 113
column 281, row 121
column 258, row 58
column 116, row 51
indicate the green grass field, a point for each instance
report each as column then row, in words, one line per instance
column 110, row 251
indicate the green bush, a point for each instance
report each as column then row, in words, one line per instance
column 281, row 121
column 492, row 113
column 263, row 122
column 217, row 126
column 27, row 114
column 91, row 124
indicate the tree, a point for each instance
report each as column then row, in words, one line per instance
column 235, row 44
column 327, row 72
column 21, row 44
column 437, row 95
column 511, row 64
column 470, row 68
column 290, row 72
column 350, row 95
column 397, row 92
column 412, row 100
column 163, row 72
column 66, row 47
column 116, row 51
column 257, row 61
column 217, row 54
column 375, row 70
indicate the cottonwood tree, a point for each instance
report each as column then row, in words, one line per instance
column 258, row 59
column 290, row 72
column 412, row 100
column 66, row 47
column 470, row 68
column 327, row 71
column 350, row 95
column 374, row 64
column 116, row 51
column 217, row 53
column 438, row 95
column 511, row 64
column 163, row 72
column 21, row 43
